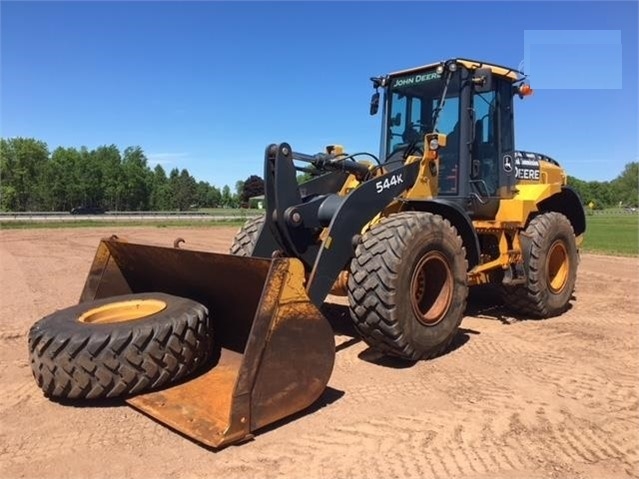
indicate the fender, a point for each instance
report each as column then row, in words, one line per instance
column 568, row 203
column 458, row 218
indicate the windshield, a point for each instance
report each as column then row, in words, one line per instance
column 414, row 99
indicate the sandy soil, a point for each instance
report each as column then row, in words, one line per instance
column 514, row 398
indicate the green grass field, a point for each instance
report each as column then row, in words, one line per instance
column 612, row 234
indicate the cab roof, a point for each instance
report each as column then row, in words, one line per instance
column 499, row 70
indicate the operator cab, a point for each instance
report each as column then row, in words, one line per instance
column 471, row 102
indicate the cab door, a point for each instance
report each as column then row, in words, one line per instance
column 492, row 165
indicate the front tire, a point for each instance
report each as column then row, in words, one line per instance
column 407, row 285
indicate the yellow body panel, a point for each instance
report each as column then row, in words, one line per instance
column 427, row 183
column 548, row 173
column 552, row 173
column 497, row 70
column 519, row 208
column 349, row 185
column 471, row 64
column 511, row 217
column 509, row 251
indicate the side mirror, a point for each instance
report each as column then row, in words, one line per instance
column 374, row 103
column 483, row 80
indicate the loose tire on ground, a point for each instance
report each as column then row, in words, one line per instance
column 551, row 258
column 407, row 285
column 246, row 238
column 119, row 346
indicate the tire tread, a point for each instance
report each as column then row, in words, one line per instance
column 529, row 299
column 245, row 238
column 373, row 274
column 122, row 362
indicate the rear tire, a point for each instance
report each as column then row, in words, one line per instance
column 407, row 285
column 246, row 238
column 108, row 348
column 551, row 258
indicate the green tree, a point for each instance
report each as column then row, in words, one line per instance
column 64, row 173
column 601, row 193
column 183, row 189
column 626, row 185
column 160, row 191
column 581, row 187
column 21, row 163
column 239, row 187
column 137, row 179
column 303, row 178
column 8, row 198
column 227, row 197
column 89, row 174
column 113, row 188
column 251, row 187
column 208, row 196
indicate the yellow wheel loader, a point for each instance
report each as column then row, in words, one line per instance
column 217, row 346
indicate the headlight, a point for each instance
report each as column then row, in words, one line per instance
column 440, row 69
column 452, row 66
column 434, row 144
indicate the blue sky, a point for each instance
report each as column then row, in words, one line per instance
column 207, row 85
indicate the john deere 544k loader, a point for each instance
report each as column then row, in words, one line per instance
column 217, row 346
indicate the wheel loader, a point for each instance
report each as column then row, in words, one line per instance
column 217, row 346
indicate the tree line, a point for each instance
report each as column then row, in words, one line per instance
column 623, row 191
column 34, row 179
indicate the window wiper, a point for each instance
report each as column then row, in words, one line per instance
column 442, row 101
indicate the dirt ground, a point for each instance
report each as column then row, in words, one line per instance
column 513, row 398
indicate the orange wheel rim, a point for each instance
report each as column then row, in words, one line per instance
column 122, row 311
column 558, row 267
column 431, row 288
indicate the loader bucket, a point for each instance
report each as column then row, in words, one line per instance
column 276, row 350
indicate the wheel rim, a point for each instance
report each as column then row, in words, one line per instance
column 431, row 288
column 122, row 311
column 558, row 267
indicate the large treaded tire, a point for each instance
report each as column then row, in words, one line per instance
column 246, row 237
column 74, row 359
column 380, row 285
column 536, row 299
